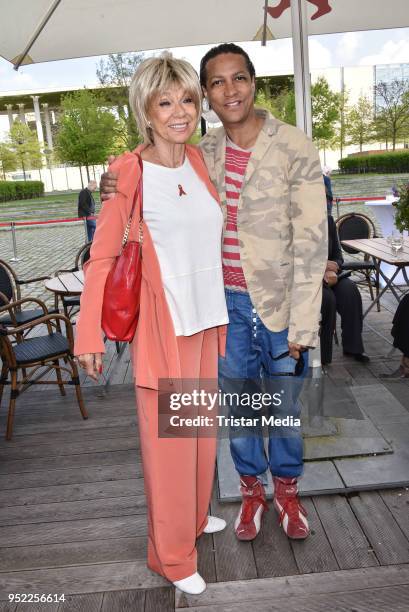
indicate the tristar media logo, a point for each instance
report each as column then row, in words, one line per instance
column 323, row 8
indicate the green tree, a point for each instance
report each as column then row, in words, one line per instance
column 115, row 74
column 325, row 111
column 8, row 159
column 360, row 123
column 382, row 128
column 24, row 144
column 289, row 107
column 341, row 130
column 325, row 106
column 87, row 130
column 274, row 85
column 392, row 110
column 282, row 105
column 276, row 94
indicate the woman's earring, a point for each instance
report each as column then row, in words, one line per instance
column 149, row 124
column 205, row 105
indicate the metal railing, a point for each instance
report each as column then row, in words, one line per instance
column 13, row 225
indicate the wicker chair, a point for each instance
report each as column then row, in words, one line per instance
column 10, row 292
column 31, row 354
column 355, row 226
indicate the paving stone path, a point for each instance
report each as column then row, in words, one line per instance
column 43, row 250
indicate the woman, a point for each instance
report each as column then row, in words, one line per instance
column 400, row 333
column 182, row 311
column 340, row 294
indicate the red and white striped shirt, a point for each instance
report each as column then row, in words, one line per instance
column 235, row 168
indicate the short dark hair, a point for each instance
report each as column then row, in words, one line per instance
column 220, row 50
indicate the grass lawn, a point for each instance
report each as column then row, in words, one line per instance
column 64, row 205
column 49, row 206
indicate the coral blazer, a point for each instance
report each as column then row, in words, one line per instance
column 154, row 350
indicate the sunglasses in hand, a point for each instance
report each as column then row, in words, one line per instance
column 299, row 366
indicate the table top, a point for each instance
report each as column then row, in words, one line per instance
column 381, row 249
column 386, row 202
column 69, row 283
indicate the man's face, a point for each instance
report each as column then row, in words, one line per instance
column 92, row 185
column 229, row 88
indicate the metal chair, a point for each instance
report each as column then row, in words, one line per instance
column 31, row 354
column 355, row 226
column 71, row 304
column 10, row 293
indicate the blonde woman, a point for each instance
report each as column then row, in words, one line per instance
column 183, row 313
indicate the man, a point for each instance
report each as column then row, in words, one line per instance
column 86, row 207
column 269, row 180
column 326, row 173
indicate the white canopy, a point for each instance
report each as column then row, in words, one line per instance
column 45, row 30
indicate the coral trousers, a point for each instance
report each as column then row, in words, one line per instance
column 178, row 472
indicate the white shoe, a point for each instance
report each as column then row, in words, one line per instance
column 214, row 524
column 193, row 585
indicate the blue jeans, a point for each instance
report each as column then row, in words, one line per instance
column 91, row 227
column 250, row 350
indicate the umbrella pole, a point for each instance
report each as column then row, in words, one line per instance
column 302, row 80
column 21, row 58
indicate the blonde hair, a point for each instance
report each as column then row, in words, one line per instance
column 153, row 76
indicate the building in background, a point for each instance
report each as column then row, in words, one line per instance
column 40, row 111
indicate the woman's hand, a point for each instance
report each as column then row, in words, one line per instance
column 91, row 363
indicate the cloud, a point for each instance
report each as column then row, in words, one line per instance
column 347, row 47
column 275, row 58
column 320, row 55
column 12, row 80
column 392, row 52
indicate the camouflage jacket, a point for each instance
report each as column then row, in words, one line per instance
column 282, row 225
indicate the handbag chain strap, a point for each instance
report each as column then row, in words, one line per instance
column 128, row 225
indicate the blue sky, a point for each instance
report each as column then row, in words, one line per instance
column 350, row 49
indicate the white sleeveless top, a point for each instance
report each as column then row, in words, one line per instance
column 186, row 224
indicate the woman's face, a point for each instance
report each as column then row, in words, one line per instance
column 173, row 115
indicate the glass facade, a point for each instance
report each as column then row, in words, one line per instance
column 387, row 73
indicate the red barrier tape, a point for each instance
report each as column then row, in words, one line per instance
column 17, row 223
column 359, row 199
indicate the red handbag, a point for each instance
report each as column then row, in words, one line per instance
column 122, row 293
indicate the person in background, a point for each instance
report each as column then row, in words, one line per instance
column 86, row 207
column 340, row 294
column 326, row 172
column 400, row 333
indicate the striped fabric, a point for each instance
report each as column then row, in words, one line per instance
column 235, row 168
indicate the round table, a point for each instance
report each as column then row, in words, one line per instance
column 384, row 211
column 67, row 284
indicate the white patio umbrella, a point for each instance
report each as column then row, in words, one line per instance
column 34, row 31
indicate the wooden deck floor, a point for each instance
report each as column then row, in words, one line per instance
column 73, row 518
